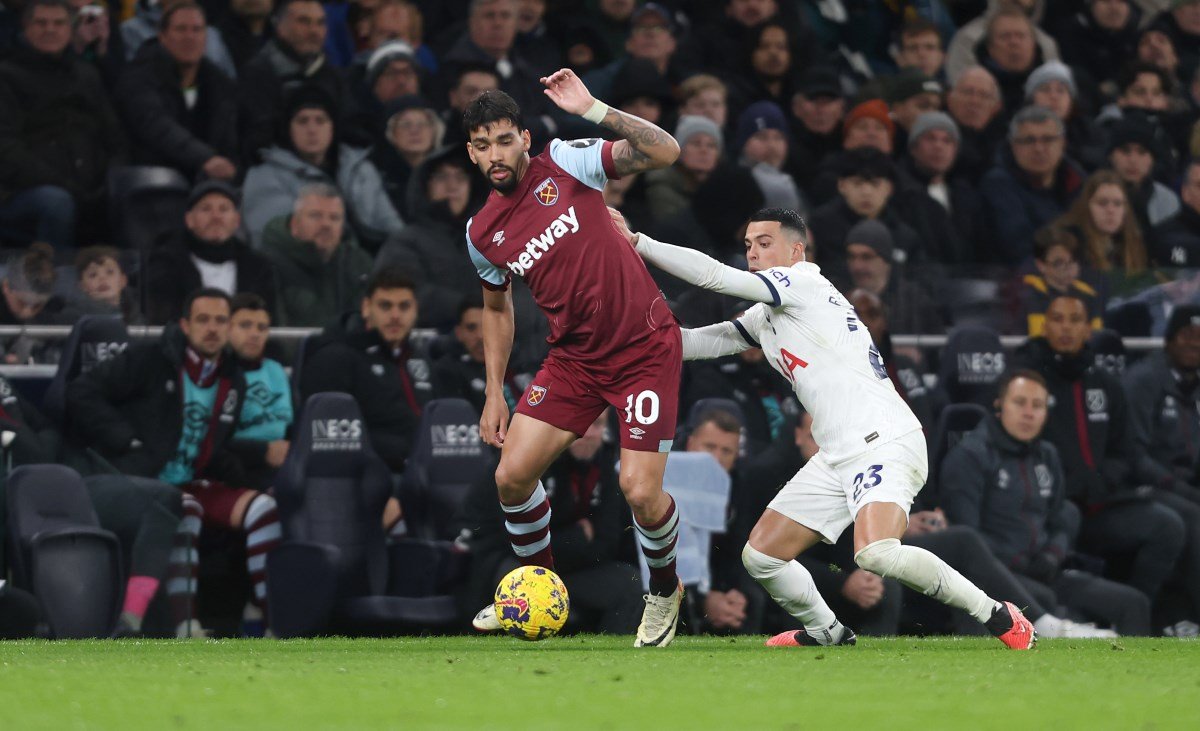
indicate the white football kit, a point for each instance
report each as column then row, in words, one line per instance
column 872, row 448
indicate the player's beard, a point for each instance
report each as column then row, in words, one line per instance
column 505, row 186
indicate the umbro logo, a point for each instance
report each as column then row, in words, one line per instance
column 498, row 238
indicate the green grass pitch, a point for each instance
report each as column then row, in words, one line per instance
column 586, row 682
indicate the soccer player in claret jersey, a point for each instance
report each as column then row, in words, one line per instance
column 613, row 339
column 872, row 459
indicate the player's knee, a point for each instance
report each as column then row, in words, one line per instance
column 513, row 485
column 879, row 557
column 641, row 496
column 759, row 565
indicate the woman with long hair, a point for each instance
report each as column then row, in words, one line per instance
column 1103, row 221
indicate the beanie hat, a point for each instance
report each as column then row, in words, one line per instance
column 1132, row 130
column 1050, row 71
column 912, row 82
column 385, row 54
column 1181, row 317
column 205, row 187
column 872, row 109
column 930, row 121
column 875, row 235
column 691, row 125
column 757, row 117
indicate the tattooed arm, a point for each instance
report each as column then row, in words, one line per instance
column 643, row 146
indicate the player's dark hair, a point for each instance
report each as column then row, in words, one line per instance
column 473, row 301
column 1010, row 376
column 204, row 293
column 720, row 418
column 489, row 108
column 247, row 301
column 786, row 218
column 389, row 278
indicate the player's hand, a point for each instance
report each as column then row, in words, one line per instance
column 721, row 612
column 277, row 451
column 221, row 168
column 863, row 588
column 493, row 425
column 618, row 222
column 925, row 521
column 567, row 91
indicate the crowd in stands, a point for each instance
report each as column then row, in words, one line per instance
column 1027, row 167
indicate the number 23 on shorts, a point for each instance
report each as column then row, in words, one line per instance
column 643, row 407
column 864, row 481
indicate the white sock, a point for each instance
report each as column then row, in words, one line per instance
column 792, row 587
column 919, row 569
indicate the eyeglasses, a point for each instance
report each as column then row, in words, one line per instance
column 1030, row 140
column 1062, row 264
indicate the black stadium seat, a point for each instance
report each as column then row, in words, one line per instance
column 1109, row 350
column 93, row 340
column 60, row 554
column 954, row 421
column 972, row 361
column 331, row 571
column 144, row 203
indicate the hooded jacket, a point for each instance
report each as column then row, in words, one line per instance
column 312, row 291
column 1166, row 421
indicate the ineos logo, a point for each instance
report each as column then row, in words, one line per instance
column 93, row 354
column 980, row 367
column 340, row 435
column 455, row 440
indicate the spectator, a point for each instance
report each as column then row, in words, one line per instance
column 445, row 191
column 246, row 28
column 587, row 522
column 181, row 434
column 489, row 38
column 535, row 40
column 583, row 47
column 29, row 299
column 310, row 151
column 1144, row 98
column 870, row 257
column 704, row 95
column 670, row 190
column 911, row 94
column 179, row 107
column 1177, row 240
column 942, row 205
column 369, row 356
column 818, row 109
column 1089, row 424
column 207, row 252
column 1101, row 37
column 974, row 103
column 1007, row 483
column 290, row 60
column 93, row 40
column 762, row 142
column 319, row 266
column 146, row 25
column 460, row 372
column 413, row 132
column 866, row 179
column 1052, row 85
column 104, row 286
column 920, row 48
column 58, row 135
column 469, row 80
column 1033, row 183
column 867, row 125
column 1131, row 155
column 396, row 20
column 767, row 60
column 1156, row 47
column 1056, row 260
column 1017, row 41
column 639, row 89
column 267, row 413
column 1182, row 25
column 1102, row 221
column 390, row 73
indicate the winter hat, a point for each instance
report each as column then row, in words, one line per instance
column 875, row 109
column 875, row 235
column 1132, row 130
column 691, row 125
column 307, row 96
column 1181, row 317
column 930, row 121
column 911, row 82
column 757, row 117
column 385, row 54
column 1050, row 71
column 205, row 187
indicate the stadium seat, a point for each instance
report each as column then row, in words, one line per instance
column 1109, row 350
column 60, row 554
column 93, row 340
column 954, row 421
column 331, row 571
column 971, row 363
column 144, row 203
column 971, row 301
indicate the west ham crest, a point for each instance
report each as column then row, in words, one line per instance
column 546, row 193
column 536, row 394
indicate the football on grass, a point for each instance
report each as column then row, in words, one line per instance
column 532, row 603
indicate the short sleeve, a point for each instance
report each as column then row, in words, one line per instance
column 493, row 276
column 750, row 323
column 588, row 161
column 787, row 285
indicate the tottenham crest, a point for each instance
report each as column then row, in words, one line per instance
column 547, row 192
column 536, row 395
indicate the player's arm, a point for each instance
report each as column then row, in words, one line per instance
column 498, row 329
column 715, row 341
column 643, row 145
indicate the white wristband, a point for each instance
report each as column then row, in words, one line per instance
column 596, row 112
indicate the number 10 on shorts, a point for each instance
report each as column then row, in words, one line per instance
column 643, row 407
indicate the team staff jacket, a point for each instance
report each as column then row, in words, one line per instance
column 130, row 410
column 1166, row 421
column 1088, row 423
column 1012, row 492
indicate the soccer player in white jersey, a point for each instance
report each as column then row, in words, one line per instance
column 872, row 460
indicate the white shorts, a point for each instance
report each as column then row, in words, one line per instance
column 827, row 498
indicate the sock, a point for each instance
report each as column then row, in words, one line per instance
column 528, row 526
column 922, row 571
column 263, row 533
column 792, row 587
column 139, row 590
column 184, row 563
column 658, row 542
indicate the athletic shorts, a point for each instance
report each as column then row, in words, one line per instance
column 570, row 394
column 217, row 499
column 827, row 498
